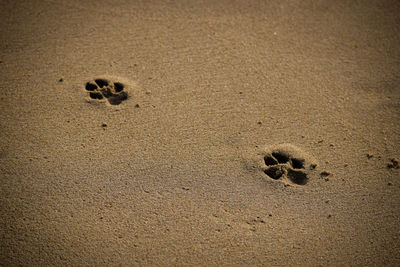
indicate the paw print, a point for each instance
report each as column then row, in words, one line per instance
column 287, row 162
column 101, row 89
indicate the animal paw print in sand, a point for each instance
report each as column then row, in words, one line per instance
column 101, row 89
column 287, row 162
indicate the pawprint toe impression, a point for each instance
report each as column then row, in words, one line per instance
column 101, row 89
column 287, row 162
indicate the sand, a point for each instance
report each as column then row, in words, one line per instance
column 176, row 173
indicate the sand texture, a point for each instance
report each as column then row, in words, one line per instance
column 200, row 133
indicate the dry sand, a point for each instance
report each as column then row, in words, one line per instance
column 174, row 175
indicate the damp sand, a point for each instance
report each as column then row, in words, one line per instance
column 189, row 166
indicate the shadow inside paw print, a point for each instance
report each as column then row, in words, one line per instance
column 113, row 92
column 287, row 161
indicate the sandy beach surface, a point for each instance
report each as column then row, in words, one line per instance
column 200, row 133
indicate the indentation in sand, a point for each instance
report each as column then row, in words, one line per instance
column 288, row 163
column 102, row 89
